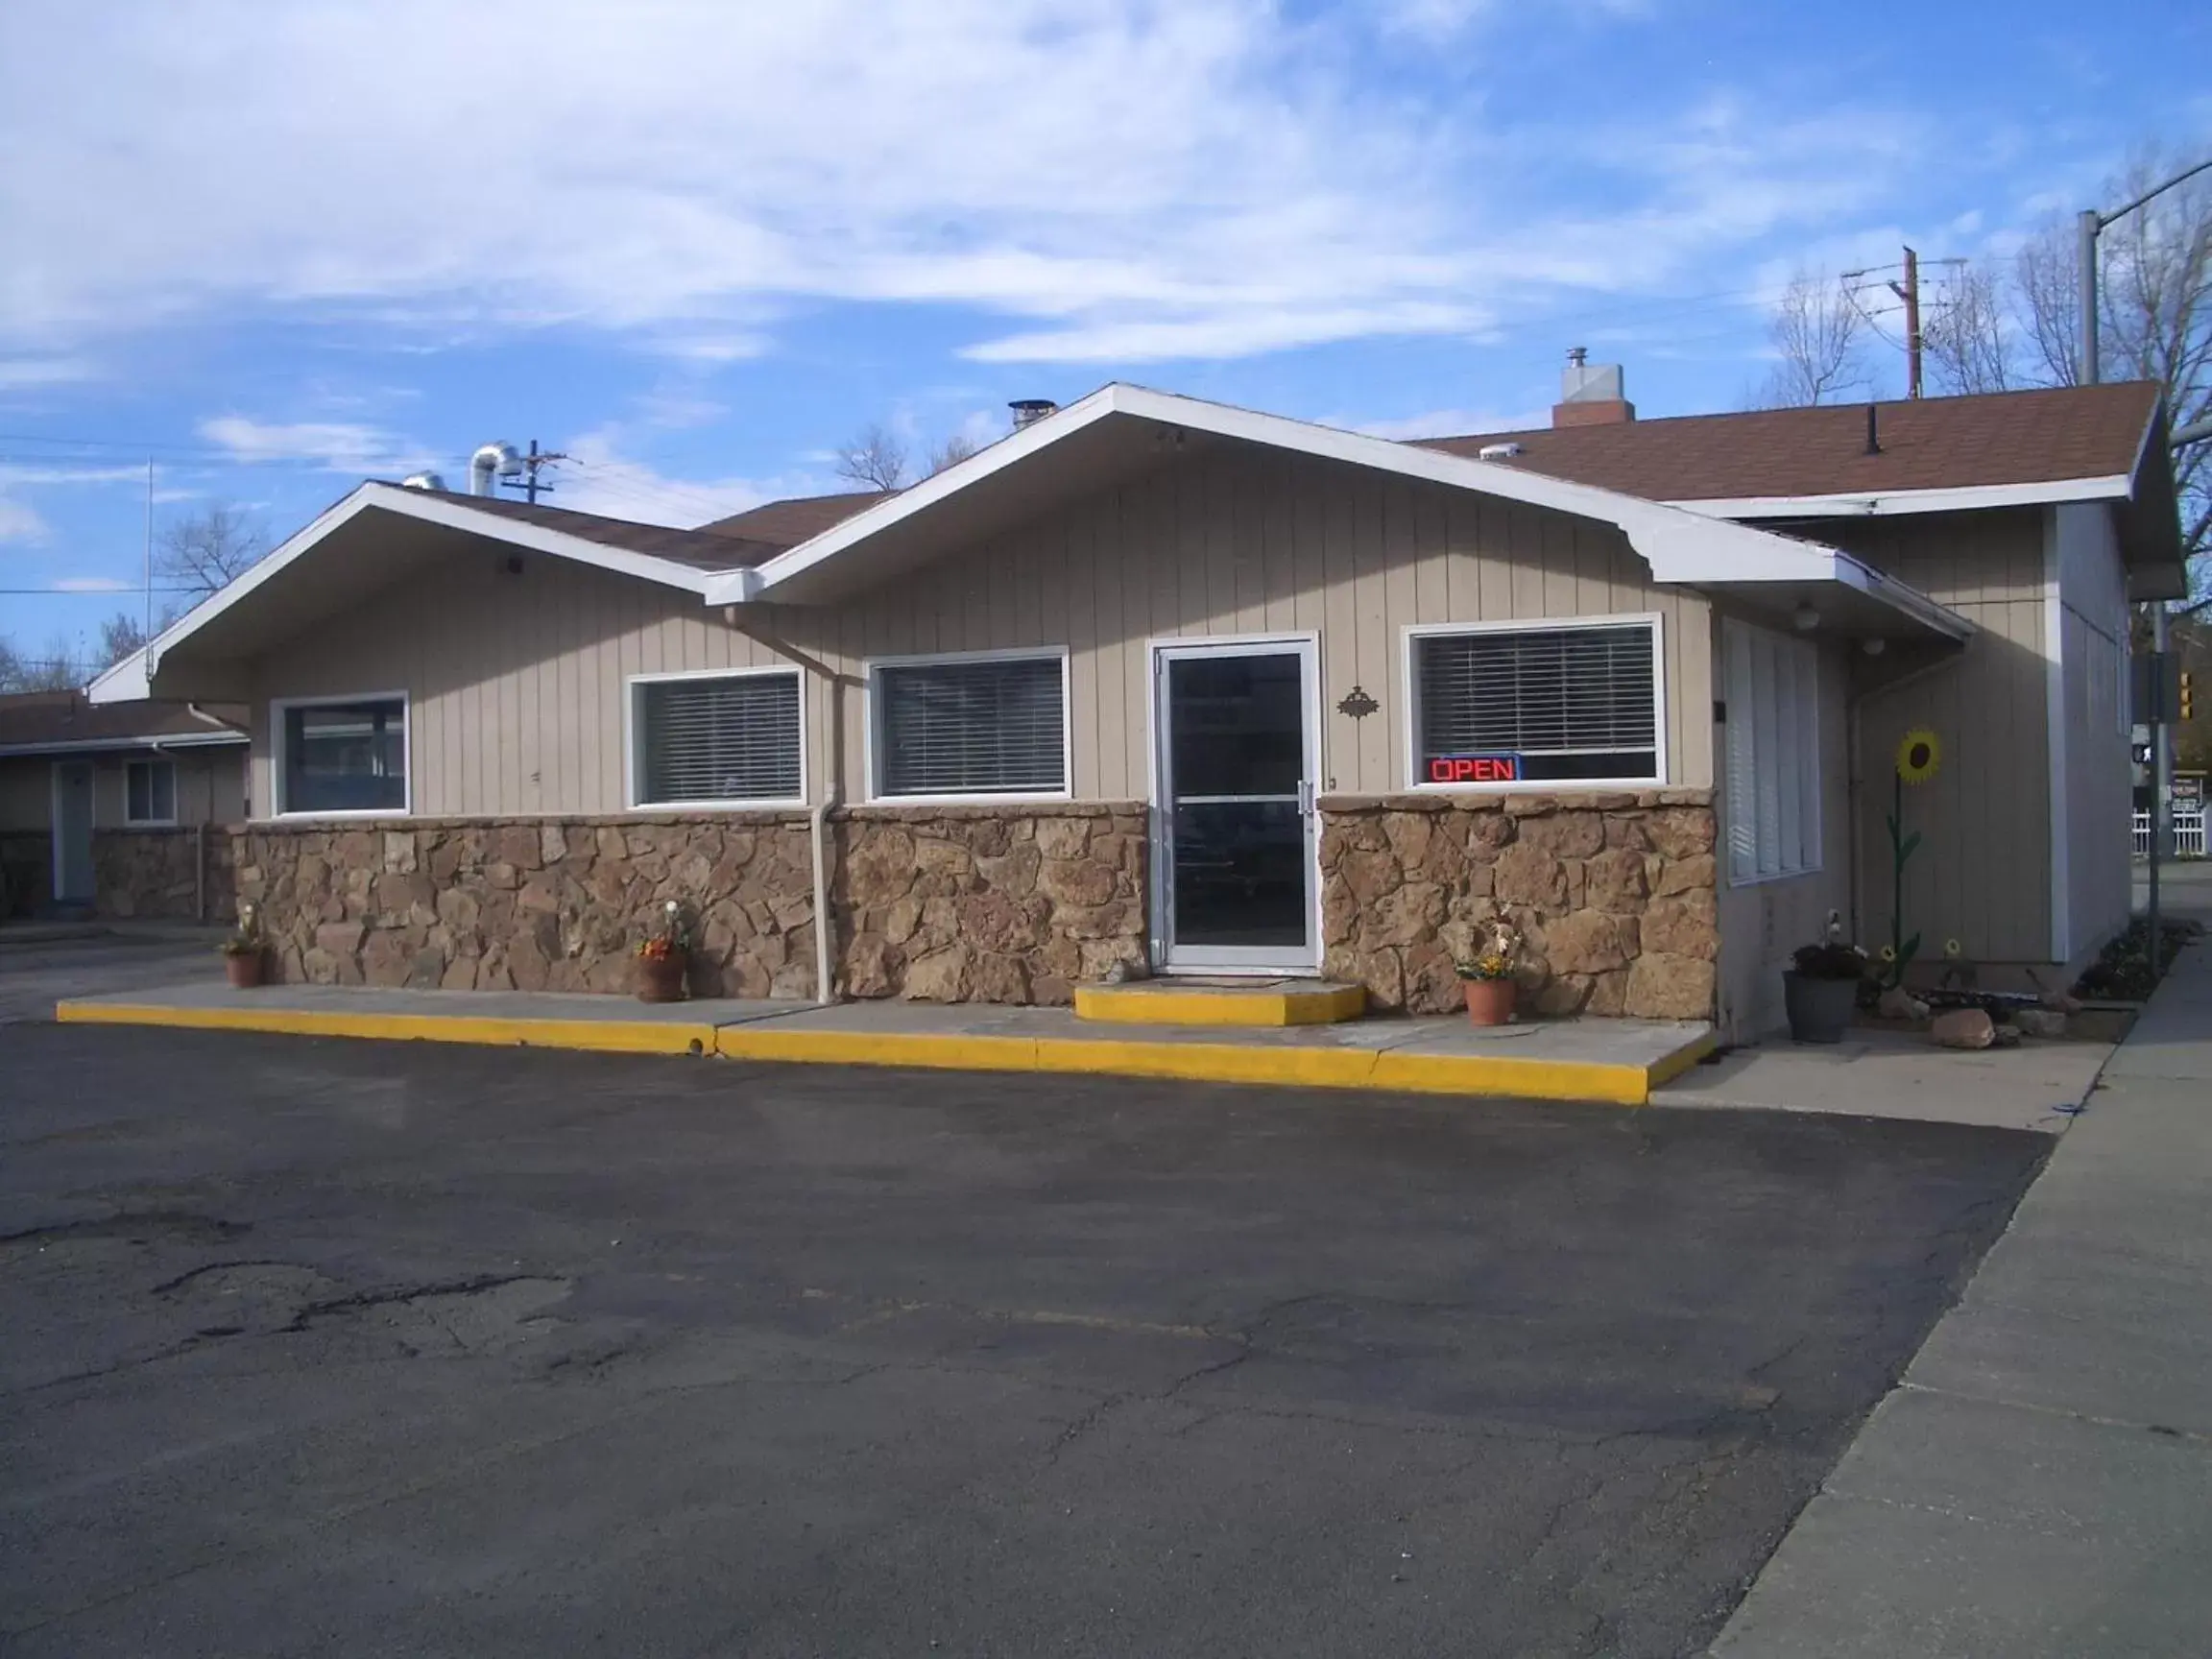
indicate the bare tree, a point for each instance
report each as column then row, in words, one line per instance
column 14, row 670
column 119, row 636
column 1818, row 333
column 875, row 460
column 1967, row 336
column 61, row 670
column 952, row 452
column 204, row 551
column 2046, row 284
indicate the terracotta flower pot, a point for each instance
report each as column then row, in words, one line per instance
column 660, row 979
column 1490, row 1001
column 243, row 968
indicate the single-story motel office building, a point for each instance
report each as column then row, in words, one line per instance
column 1160, row 682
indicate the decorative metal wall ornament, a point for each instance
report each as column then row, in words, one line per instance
column 1357, row 703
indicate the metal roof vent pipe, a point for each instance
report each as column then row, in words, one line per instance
column 1028, row 410
column 1873, row 430
column 423, row 481
column 492, row 462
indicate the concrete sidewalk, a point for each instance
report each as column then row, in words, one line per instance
column 2040, row 1482
column 1615, row 1061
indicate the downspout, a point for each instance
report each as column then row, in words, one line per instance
column 833, row 793
column 818, row 830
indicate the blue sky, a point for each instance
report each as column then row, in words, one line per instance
column 697, row 245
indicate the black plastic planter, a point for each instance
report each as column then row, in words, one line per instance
column 1820, row 1010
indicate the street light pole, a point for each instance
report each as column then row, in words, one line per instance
column 2091, row 225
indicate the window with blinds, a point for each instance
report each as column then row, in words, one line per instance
column 1772, row 691
column 717, row 741
column 1543, row 703
column 974, row 726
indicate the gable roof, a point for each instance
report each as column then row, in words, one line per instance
column 2057, row 435
column 1118, row 426
column 54, row 722
column 680, row 559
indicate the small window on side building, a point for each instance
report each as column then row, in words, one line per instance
column 150, row 792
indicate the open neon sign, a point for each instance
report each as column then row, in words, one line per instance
column 1474, row 768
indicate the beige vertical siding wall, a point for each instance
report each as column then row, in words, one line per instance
column 2100, row 780
column 1241, row 541
column 1763, row 923
column 517, row 683
column 210, row 787
column 1983, row 873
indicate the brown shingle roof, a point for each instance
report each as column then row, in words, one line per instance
column 797, row 518
column 45, row 719
column 1933, row 443
column 700, row 549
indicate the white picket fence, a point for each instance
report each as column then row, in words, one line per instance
column 2188, row 834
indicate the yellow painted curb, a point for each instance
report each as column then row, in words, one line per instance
column 604, row 1036
column 1275, row 1005
column 1322, row 1068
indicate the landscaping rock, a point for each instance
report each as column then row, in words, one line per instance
column 2044, row 1022
column 1899, row 1003
column 1963, row 1028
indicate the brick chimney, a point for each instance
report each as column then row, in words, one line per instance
column 1590, row 396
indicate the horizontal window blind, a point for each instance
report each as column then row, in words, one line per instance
column 734, row 739
column 1570, row 702
column 971, row 727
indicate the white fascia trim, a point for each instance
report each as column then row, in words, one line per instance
column 131, row 680
column 105, row 745
column 1680, row 545
column 1961, row 499
column 1908, row 601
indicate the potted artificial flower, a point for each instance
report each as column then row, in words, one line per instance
column 244, row 951
column 1487, row 977
column 1822, row 992
column 664, row 957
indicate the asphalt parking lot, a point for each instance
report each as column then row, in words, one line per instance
column 326, row 1347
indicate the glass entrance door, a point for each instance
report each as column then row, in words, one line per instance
column 1234, row 868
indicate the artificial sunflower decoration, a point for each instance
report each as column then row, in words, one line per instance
column 1919, row 753
column 1920, row 756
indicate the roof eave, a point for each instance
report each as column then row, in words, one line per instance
column 132, row 679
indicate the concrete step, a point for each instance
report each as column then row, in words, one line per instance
column 1186, row 1002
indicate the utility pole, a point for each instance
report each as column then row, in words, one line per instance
column 531, row 463
column 1909, row 291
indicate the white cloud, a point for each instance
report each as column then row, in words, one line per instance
column 1113, row 179
column 94, row 585
column 602, row 476
column 52, row 472
column 20, row 522
column 334, row 445
column 26, row 374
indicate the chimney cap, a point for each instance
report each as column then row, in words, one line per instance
column 1028, row 410
column 1577, row 355
column 1497, row 451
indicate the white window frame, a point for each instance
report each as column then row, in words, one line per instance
column 872, row 727
column 633, row 754
column 150, row 760
column 279, row 707
column 1410, row 690
column 1809, row 804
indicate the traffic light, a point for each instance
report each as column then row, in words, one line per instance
column 2187, row 703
